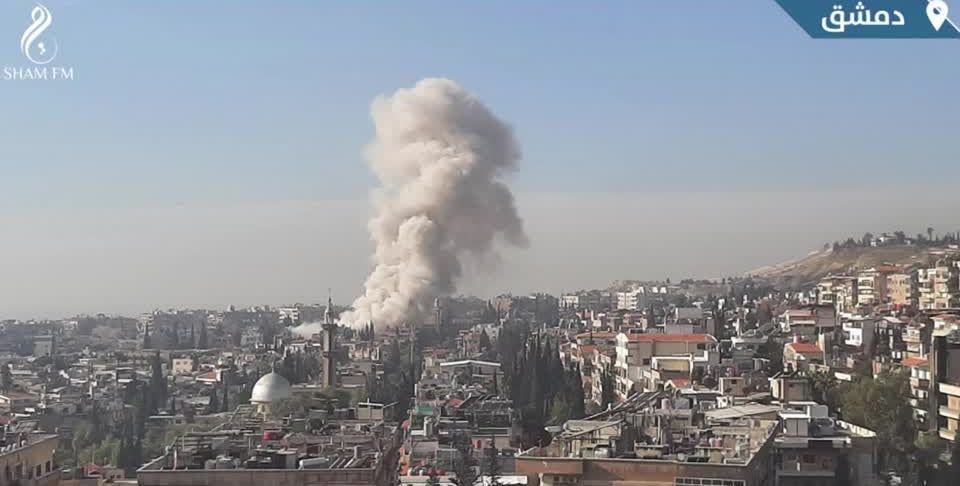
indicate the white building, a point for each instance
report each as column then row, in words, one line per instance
column 633, row 300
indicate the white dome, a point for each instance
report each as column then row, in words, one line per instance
column 270, row 388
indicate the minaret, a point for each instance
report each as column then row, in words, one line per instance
column 329, row 330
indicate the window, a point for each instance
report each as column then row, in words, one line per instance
column 809, row 459
column 49, row 466
column 39, row 471
column 701, row 346
column 646, row 361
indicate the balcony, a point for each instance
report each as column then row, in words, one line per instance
column 950, row 413
column 949, row 389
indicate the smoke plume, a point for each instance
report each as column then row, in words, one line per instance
column 440, row 156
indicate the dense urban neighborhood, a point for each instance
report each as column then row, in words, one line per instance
column 851, row 377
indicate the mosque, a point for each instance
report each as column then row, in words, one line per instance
column 273, row 387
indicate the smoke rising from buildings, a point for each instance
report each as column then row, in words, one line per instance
column 440, row 156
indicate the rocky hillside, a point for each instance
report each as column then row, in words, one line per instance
column 818, row 264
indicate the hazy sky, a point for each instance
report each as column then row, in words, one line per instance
column 211, row 153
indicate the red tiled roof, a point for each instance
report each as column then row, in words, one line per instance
column 912, row 361
column 454, row 402
column 804, row 347
column 599, row 335
column 671, row 338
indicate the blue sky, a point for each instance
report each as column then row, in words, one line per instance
column 194, row 105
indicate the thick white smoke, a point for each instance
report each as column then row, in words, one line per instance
column 440, row 156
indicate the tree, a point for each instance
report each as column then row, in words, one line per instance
column 176, row 335
column 926, row 455
column 772, row 351
column 225, row 406
column 147, row 344
column 202, row 340
column 158, row 382
column 606, row 389
column 881, row 405
column 484, row 341
column 463, row 465
column 842, row 473
column 6, row 378
column 492, row 468
column 824, row 386
column 214, row 405
column 867, row 239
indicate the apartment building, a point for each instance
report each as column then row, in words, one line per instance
column 939, row 287
column 27, row 459
column 632, row 300
column 809, row 321
column 944, row 397
column 919, row 388
column 902, row 289
column 737, row 452
column 859, row 332
column 838, row 291
column 798, row 356
column 872, row 285
column 810, row 447
column 636, row 352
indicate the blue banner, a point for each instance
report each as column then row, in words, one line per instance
column 876, row 19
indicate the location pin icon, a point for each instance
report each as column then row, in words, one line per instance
column 937, row 13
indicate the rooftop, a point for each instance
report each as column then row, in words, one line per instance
column 678, row 338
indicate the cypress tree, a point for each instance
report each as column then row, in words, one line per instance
column 202, row 340
column 214, row 405
column 492, row 468
column 147, row 344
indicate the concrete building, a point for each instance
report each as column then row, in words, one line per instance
column 902, row 289
column 26, row 459
column 182, row 366
column 919, row 389
column 944, row 397
column 790, row 388
column 811, row 446
column 678, row 355
column 44, row 346
column 872, row 288
column 839, row 291
column 939, row 287
column 798, row 355
column 809, row 321
column 736, row 452
column 860, row 332
column 632, row 300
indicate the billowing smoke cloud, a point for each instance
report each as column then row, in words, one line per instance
column 440, row 156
